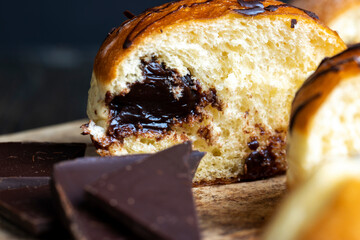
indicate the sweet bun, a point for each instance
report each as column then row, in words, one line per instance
column 326, row 206
column 219, row 73
column 342, row 16
column 325, row 116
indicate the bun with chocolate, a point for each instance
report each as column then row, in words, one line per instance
column 325, row 207
column 325, row 116
column 342, row 16
column 221, row 74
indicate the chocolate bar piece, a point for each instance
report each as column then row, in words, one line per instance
column 30, row 208
column 25, row 170
column 22, row 182
column 32, row 159
column 152, row 197
column 69, row 180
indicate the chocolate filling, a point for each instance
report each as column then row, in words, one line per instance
column 259, row 164
column 253, row 145
column 155, row 104
column 264, row 162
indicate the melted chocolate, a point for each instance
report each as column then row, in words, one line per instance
column 309, row 13
column 261, row 164
column 293, row 23
column 250, row 4
column 256, row 7
column 250, row 11
column 252, row 8
column 162, row 99
column 253, row 145
column 273, row 8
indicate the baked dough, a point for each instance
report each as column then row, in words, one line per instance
column 325, row 116
column 221, row 73
column 326, row 206
column 342, row 16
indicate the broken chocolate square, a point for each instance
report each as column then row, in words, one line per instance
column 69, row 180
column 32, row 159
column 30, row 208
column 22, row 182
column 152, row 197
column 25, row 171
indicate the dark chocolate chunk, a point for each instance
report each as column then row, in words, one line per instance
column 32, row 159
column 30, row 208
column 21, row 182
column 161, row 100
column 69, row 180
column 152, row 197
column 293, row 23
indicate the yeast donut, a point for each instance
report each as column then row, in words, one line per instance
column 325, row 116
column 342, row 16
column 326, row 206
column 221, row 73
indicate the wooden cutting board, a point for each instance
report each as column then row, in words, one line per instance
column 234, row 211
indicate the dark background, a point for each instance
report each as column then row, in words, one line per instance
column 47, row 50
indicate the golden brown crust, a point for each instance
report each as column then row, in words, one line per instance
column 327, row 10
column 121, row 40
column 320, row 84
column 340, row 219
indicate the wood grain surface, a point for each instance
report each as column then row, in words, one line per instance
column 234, row 211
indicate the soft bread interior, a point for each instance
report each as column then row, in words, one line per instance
column 347, row 25
column 333, row 134
column 255, row 65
